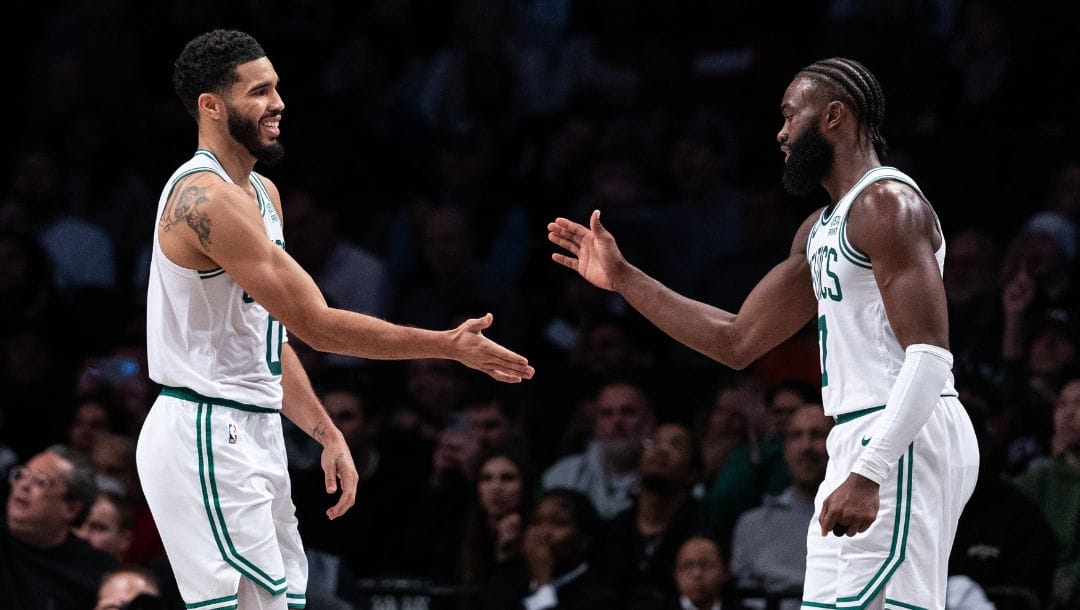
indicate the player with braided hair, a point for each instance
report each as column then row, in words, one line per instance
column 866, row 269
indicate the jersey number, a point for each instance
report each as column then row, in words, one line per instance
column 274, row 332
column 823, row 334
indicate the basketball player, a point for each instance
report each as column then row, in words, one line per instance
column 222, row 292
column 867, row 267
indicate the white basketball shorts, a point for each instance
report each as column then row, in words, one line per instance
column 216, row 479
column 901, row 562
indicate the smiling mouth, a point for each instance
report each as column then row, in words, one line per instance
column 272, row 125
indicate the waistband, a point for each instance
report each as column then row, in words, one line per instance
column 193, row 396
column 844, row 418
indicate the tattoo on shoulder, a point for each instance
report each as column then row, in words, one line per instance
column 187, row 209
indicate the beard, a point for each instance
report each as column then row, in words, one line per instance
column 810, row 157
column 247, row 134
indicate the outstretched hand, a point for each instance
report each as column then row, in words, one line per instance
column 476, row 351
column 853, row 507
column 593, row 251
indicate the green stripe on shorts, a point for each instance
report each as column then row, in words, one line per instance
column 212, row 504
column 229, row 601
column 898, row 550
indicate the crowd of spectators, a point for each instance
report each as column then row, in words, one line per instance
column 427, row 144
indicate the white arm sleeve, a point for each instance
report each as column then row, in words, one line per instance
column 913, row 398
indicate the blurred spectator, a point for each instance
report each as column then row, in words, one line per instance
column 741, row 463
column 474, row 77
column 492, row 420
column 1032, row 384
column 1035, row 272
column 701, row 575
column 130, row 587
column 433, row 389
column 26, row 290
column 1018, row 558
column 768, row 550
column 784, row 400
column 974, row 298
column 1055, row 486
column 350, row 277
column 642, row 541
column 108, row 526
column 113, row 458
column 705, row 222
column 44, row 565
column 81, row 253
column 92, row 417
column 454, row 281
column 559, row 543
column 468, row 550
column 607, row 348
column 606, row 472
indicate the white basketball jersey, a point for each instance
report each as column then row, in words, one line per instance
column 203, row 332
column 860, row 356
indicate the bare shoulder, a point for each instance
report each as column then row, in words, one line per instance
column 196, row 204
column 887, row 211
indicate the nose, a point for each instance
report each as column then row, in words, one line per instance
column 277, row 103
column 782, row 135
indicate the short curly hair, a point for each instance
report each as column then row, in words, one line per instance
column 208, row 65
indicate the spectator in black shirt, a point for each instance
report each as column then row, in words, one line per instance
column 42, row 564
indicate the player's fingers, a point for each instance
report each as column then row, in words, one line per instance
column 826, row 519
column 569, row 226
column 346, row 501
column 571, row 246
column 331, row 476
column 514, row 365
column 570, row 232
column 475, row 325
column 497, row 354
column 565, row 261
column 503, row 377
column 594, row 222
column 862, row 526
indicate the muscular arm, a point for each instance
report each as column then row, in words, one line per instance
column 897, row 230
column 778, row 306
column 211, row 223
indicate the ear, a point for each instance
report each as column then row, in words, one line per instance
column 834, row 114
column 212, row 106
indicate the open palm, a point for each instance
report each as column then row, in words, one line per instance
column 593, row 252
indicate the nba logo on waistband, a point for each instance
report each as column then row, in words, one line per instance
column 232, row 434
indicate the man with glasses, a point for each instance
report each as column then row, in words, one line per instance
column 42, row 564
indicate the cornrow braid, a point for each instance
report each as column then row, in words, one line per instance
column 850, row 82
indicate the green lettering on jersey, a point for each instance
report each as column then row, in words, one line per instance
column 821, row 261
column 836, row 294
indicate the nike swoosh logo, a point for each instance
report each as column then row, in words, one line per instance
column 865, row 440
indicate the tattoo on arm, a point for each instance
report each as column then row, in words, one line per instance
column 319, row 432
column 187, row 210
